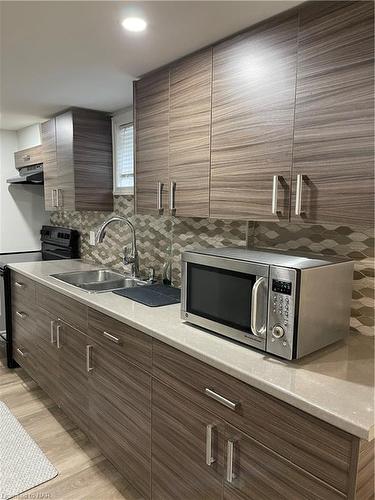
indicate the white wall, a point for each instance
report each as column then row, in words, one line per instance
column 29, row 136
column 22, row 211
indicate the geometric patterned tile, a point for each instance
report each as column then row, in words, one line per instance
column 162, row 239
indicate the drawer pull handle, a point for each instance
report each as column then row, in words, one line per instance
column 89, row 367
column 52, row 331
column 21, row 314
column 230, row 456
column 19, row 284
column 112, row 338
column 209, row 458
column 26, row 158
column 222, row 400
column 23, row 354
column 58, row 330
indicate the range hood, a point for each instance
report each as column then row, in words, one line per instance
column 28, row 175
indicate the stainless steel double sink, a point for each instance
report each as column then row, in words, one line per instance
column 99, row 280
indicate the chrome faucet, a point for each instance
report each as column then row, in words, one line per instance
column 129, row 257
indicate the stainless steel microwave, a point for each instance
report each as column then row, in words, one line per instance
column 282, row 303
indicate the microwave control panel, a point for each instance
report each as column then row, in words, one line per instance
column 281, row 311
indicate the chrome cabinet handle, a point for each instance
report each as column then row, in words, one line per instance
column 52, row 330
column 209, row 458
column 19, row 284
column 21, row 314
column 26, row 158
column 23, row 354
column 160, row 197
column 275, row 183
column 254, row 308
column 111, row 337
column 58, row 343
column 230, row 455
column 59, row 198
column 299, row 194
column 222, row 400
column 172, row 189
column 53, row 196
column 89, row 368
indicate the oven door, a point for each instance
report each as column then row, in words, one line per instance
column 55, row 252
column 227, row 296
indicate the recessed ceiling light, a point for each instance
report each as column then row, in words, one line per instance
column 134, row 24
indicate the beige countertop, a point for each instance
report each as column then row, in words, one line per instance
column 335, row 384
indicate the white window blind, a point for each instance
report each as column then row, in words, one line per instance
column 124, row 158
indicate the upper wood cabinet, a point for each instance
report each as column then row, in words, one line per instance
column 275, row 123
column 151, row 116
column 29, row 156
column 77, row 159
column 334, row 128
column 252, row 122
column 189, row 134
column 173, row 123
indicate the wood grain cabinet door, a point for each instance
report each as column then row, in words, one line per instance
column 254, row 472
column 120, row 414
column 65, row 161
column 254, row 77
column 333, row 145
column 187, row 448
column 72, row 346
column 151, row 102
column 50, row 173
column 189, row 134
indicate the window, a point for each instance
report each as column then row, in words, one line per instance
column 123, row 156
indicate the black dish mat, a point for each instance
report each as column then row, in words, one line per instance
column 152, row 295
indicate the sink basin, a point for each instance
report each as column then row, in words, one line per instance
column 100, row 280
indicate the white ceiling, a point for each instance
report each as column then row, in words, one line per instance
column 56, row 54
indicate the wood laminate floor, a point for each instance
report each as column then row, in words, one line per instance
column 84, row 473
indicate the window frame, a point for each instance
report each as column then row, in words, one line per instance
column 119, row 120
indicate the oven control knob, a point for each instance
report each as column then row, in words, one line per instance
column 278, row 332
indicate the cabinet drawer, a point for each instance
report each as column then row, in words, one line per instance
column 22, row 288
column 121, row 338
column 29, row 156
column 23, row 315
column 314, row 445
column 71, row 311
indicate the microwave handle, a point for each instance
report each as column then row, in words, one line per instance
column 254, row 308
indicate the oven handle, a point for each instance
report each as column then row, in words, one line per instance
column 254, row 308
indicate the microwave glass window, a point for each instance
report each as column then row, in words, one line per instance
column 220, row 295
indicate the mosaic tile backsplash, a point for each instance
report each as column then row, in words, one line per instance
column 162, row 239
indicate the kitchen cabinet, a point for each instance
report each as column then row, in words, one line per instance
column 151, row 117
column 255, row 472
column 333, row 145
column 77, row 161
column 189, row 134
column 187, row 448
column 174, row 426
column 74, row 347
column 120, row 413
column 29, row 156
column 254, row 78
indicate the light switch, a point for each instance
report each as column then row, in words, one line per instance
column 92, row 238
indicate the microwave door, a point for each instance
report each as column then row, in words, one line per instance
column 231, row 302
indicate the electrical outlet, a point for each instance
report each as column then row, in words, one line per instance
column 92, row 238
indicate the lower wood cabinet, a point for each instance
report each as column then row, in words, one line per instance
column 151, row 410
column 73, row 374
column 187, row 448
column 120, row 414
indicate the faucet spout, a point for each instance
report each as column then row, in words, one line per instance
column 132, row 257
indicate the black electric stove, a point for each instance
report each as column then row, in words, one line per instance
column 57, row 243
